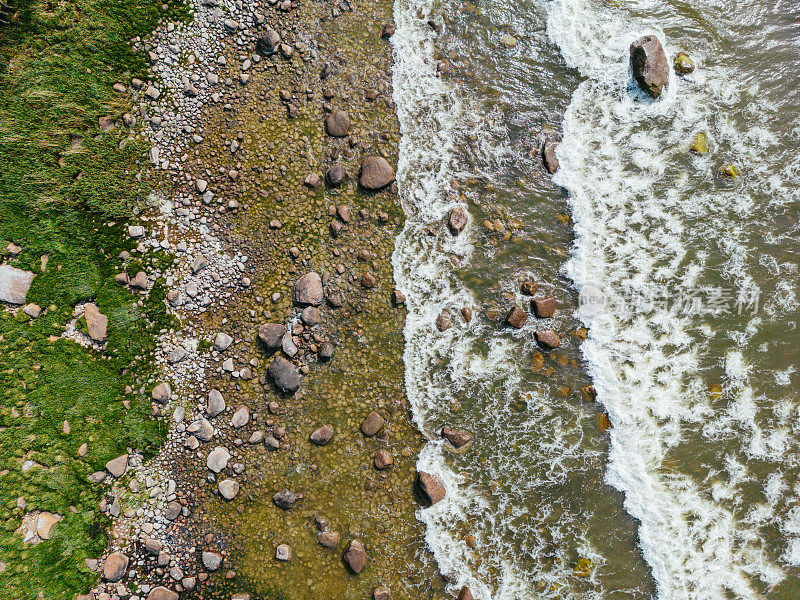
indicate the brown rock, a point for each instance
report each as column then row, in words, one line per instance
column 372, row 424
column 337, row 123
column 381, row 593
column 456, row 437
column 431, row 488
column 383, row 460
column 549, row 158
column 544, row 307
column 465, row 594
column 312, row 180
column 322, row 435
column 308, row 290
column 457, row 220
column 328, row 539
column 528, row 287
column 649, row 65
column 355, row 556
column 444, row 321
column 548, row 339
column 516, row 317
column 96, row 322
column 376, row 173
column 466, row 314
column 387, row 30
column 368, row 280
column 115, row 566
column 162, row 593
column 118, row 466
column 398, row 297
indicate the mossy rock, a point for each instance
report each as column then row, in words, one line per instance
column 683, row 64
column 700, row 143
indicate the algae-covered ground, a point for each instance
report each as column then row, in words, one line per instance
column 66, row 191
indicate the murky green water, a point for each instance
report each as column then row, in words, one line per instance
column 692, row 493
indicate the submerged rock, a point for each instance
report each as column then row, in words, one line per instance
column 649, row 65
column 308, row 290
column 372, row 424
column 284, row 374
column 456, row 437
column 729, row 170
column 683, row 64
column 355, row 556
column 457, row 220
column 699, row 143
column 285, row 499
column 322, row 435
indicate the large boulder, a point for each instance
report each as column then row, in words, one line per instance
column 376, row 173
column 14, row 284
column 649, row 65
column 284, row 374
column 308, row 290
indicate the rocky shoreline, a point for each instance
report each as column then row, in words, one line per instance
column 289, row 461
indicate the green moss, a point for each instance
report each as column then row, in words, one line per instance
column 57, row 66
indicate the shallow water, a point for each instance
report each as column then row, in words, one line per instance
column 692, row 493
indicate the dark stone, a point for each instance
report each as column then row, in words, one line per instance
column 387, row 30
column 456, row 437
column 285, row 499
column 549, row 158
column 547, row 339
column 284, row 374
column 336, row 175
column 431, row 488
column 516, row 317
column 376, row 173
column 268, row 43
column 398, row 297
column 545, row 307
column 649, row 65
column 355, row 556
column 444, row 321
column 528, row 287
column 326, row 351
column 271, row 335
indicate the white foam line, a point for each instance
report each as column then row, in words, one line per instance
column 632, row 226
